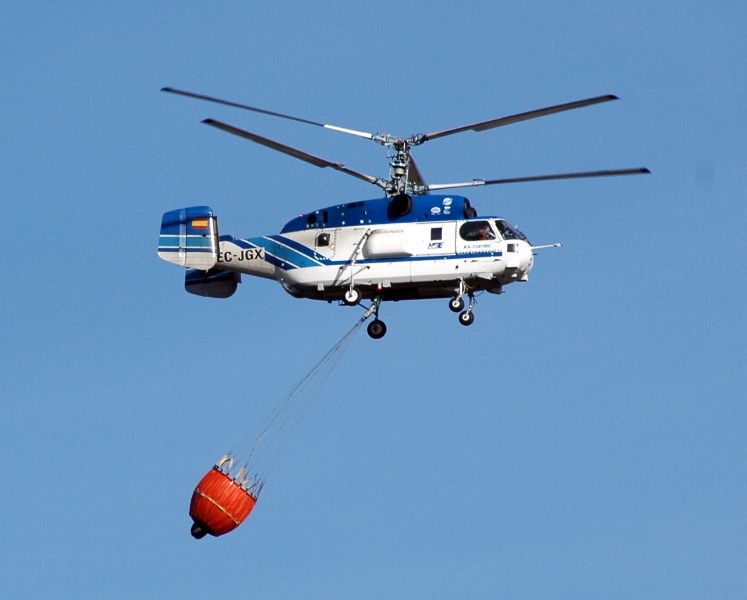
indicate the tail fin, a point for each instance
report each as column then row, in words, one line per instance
column 189, row 237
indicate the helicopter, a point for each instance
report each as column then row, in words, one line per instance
column 410, row 244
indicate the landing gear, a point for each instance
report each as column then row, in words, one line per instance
column 376, row 328
column 351, row 297
column 456, row 304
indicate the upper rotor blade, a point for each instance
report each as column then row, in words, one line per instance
column 294, row 152
column 272, row 113
column 532, row 114
column 580, row 175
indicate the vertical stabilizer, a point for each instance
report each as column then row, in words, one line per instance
column 189, row 237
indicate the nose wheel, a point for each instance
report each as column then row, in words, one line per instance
column 467, row 317
column 456, row 304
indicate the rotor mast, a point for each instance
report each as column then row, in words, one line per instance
column 399, row 167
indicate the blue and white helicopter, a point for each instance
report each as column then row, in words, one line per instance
column 410, row 244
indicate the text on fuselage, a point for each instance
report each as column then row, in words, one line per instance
column 228, row 256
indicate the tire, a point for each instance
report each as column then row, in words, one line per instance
column 376, row 329
column 456, row 304
column 351, row 297
column 467, row 317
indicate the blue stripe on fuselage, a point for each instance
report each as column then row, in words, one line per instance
column 289, row 254
column 278, row 251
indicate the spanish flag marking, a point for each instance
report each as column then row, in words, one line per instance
column 199, row 223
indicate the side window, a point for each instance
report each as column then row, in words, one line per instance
column 436, row 234
column 473, row 231
column 322, row 240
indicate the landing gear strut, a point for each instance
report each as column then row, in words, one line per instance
column 456, row 304
column 376, row 328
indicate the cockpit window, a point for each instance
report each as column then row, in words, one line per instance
column 508, row 232
column 473, row 231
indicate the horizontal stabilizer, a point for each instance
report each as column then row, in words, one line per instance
column 215, row 283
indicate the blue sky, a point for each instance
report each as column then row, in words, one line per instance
column 583, row 439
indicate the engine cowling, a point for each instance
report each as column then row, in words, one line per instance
column 384, row 243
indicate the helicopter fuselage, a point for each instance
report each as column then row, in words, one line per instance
column 388, row 249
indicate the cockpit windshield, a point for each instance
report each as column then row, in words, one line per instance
column 509, row 232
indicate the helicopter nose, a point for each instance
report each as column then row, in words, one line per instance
column 523, row 261
column 519, row 260
column 526, row 260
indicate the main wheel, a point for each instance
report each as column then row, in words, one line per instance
column 376, row 329
column 467, row 317
column 351, row 297
column 456, row 304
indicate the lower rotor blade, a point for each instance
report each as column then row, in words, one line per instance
column 581, row 175
column 289, row 150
